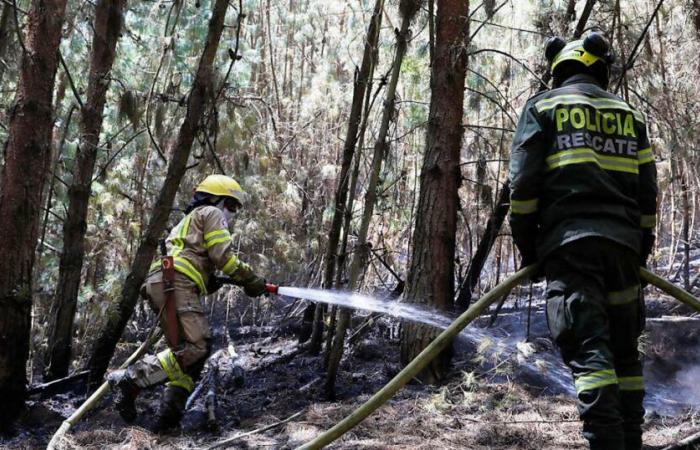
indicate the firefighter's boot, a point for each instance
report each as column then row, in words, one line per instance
column 125, row 393
column 171, row 408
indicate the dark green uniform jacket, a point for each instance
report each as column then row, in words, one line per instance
column 581, row 165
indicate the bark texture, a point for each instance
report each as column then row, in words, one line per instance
column 27, row 156
column 431, row 274
column 197, row 102
column 107, row 26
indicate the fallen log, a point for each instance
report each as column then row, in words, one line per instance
column 227, row 442
column 689, row 443
column 69, row 383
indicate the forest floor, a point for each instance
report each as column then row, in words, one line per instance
column 486, row 402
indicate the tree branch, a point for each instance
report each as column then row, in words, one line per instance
column 70, row 81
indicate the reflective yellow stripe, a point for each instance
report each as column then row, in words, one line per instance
column 600, row 103
column 172, row 369
column 524, row 206
column 595, row 380
column 184, row 266
column 210, row 244
column 648, row 221
column 231, row 265
column 645, row 156
column 631, row 383
column 624, row 296
column 178, row 242
column 155, row 265
column 216, row 234
column 588, row 155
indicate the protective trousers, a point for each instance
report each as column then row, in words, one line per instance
column 595, row 313
column 181, row 365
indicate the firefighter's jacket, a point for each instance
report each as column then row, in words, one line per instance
column 201, row 244
column 581, row 165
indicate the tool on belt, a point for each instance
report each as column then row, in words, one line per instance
column 167, row 265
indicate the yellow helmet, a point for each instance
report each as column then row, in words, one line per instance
column 574, row 51
column 223, row 186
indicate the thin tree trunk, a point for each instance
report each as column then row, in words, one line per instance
column 476, row 264
column 347, row 216
column 6, row 32
column 362, row 78
column 583, row 20
column 686, row 226
column 431, row 274
column 362, row 249
column 27, row 156
column 107, row 29
column 200, row 94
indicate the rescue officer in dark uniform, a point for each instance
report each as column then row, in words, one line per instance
column 583, row 205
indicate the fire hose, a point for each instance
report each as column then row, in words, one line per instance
column 88, row 404
column 446, row 337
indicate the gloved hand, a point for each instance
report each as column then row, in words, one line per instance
column 254, row 286
column 648, row 239
column 214, row 284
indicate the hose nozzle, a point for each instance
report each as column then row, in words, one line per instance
column 271, row 288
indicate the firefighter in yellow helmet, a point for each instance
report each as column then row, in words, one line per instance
column 200, row 245
column 583, row 207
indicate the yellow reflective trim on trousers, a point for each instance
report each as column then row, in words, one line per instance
column 524, row 206
column 648, row 220
column 231, row 265
column 595, row 380
column 173, row 370
column 645, row 156
column 178, row 241
column 574, row 99
column 588, row 155
column 625, row 296
column 184, row 266
column 631, row 383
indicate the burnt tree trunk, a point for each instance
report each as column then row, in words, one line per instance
column 107, row 28
column 27, row 156
column 362, row 79
column 431, row 273
column 476, row 265
column 408, row 10
column 197, row 101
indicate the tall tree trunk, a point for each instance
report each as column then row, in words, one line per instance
column 27, row 155
column 482, row 252
column 408, row 10
column 362, row 78
column 431, row 274
column 197, row 101
column 107, row 29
